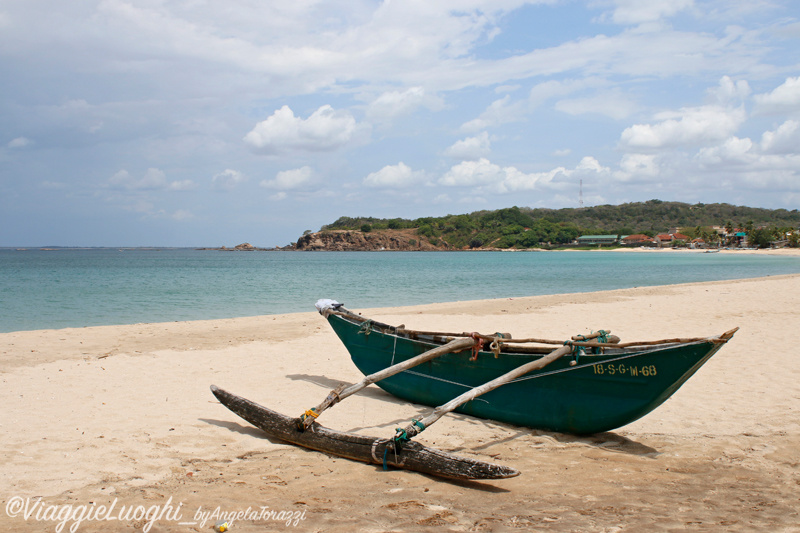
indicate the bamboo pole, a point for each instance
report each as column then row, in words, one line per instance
column 343, row 391
column 416, row 427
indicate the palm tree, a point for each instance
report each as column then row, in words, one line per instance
column 728, row 233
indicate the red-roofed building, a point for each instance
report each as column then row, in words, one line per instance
column 637, row 240
column 664, row 239
column 668, row 239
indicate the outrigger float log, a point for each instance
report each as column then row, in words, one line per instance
column 586, row 385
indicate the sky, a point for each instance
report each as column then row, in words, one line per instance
column 206, row 123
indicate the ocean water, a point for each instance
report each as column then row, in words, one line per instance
column 44, row 289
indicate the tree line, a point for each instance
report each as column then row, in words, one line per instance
column 516, row 227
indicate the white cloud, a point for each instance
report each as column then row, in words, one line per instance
column 182, row 185
column 742, row 164
column 483, row 174
column 784, row 140
column 20, row 142
column 470, row 148
column 228, row 179
column 612, row 104
column 590, row 164
column 325, row 130
column 279, row 196
column 732, row 164
column 693, row 125
column 785, row 98
column 499, row 112
column 473, row 174
column 729, row 92
column 639, row 11
column 294, row 179
column 733, row 151
column 153, row 179
column 637, row 167
column 394, row 176
column 542, row 92
column 182, row 214
column 392, row 104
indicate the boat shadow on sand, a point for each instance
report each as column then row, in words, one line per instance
column 250, row 431
column 608, row 441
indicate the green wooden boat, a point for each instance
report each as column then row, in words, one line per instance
column 599, row 387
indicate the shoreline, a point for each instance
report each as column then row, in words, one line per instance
column 124, row 412
column 167, row 335
column 784, row 252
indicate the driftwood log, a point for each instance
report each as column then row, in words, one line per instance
column 409, row 455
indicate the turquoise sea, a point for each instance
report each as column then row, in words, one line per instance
column 45, row 289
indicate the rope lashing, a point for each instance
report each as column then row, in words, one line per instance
column 496, row 345
column 577, row 351
column 366, row 328
column 310, row 413
column 401, row 436
column 477, row 347
column 603, row 338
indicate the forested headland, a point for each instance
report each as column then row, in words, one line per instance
column 522, row 227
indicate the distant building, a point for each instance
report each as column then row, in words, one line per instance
column 664, row 239
column 638, row 239
column 588, row 240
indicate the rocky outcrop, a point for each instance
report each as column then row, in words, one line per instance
column 244, row 247
column 357, row 241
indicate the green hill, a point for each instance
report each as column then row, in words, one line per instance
column 516, row 227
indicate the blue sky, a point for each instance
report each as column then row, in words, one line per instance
column 201, row 123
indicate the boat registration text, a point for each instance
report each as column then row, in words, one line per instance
column 612, row 369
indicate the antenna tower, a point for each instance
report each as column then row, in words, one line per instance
column 580, row 195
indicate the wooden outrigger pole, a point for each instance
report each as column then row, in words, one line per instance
column 340, row 393
column 417, row 426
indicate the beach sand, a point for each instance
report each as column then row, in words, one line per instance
column 122, row 416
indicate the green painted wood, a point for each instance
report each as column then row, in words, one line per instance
column 600, row 393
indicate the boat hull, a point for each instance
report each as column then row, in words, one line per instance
column 598, row 393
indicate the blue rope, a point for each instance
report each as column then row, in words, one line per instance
column 366, row 327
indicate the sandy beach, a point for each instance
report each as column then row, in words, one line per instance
column 122, row 417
